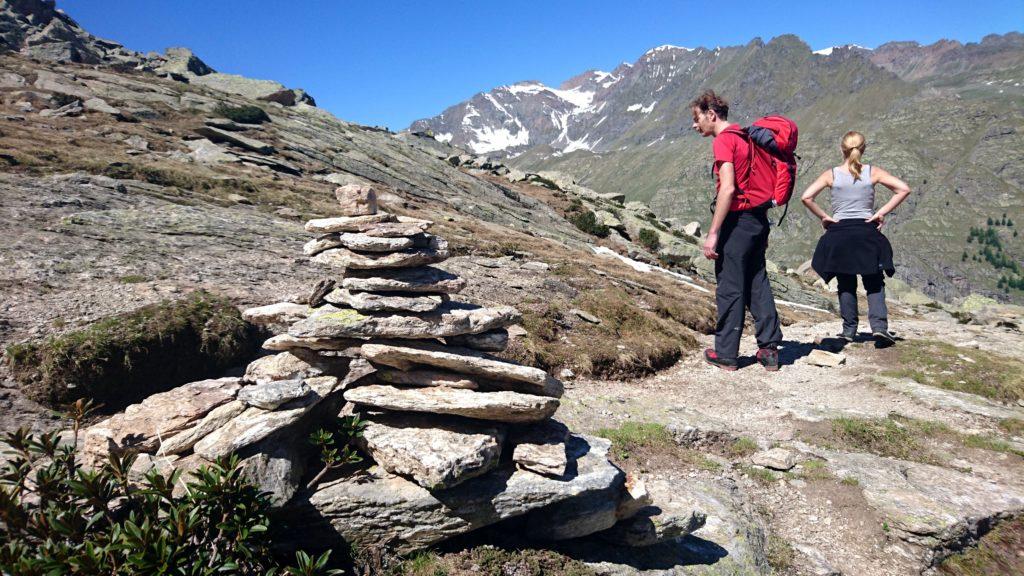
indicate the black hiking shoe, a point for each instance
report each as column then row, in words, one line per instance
column 711, row 357
column 769, row 358
column 847, row 336
column 884, row 337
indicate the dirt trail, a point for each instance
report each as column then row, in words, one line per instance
column 814, row 521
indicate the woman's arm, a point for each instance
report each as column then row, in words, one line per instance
column 812, row 192
column 899, row 188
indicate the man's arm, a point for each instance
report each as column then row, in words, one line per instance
column 726, row 190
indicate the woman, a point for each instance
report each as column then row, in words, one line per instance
column 853, row 243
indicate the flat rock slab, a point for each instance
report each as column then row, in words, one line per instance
column 425, row 279
column 270, row 395
column 277, row 317
column 356, row 199
column 826, row 359
column 141, row 426
column 370, row 302
column 359, row 242
column 775, row 459
column 379, row 509
column 435, row 251
column 450, row 319
column 490, row 341
column 348, row 223
column 493, row 406
column 433, row 451
column 218, row 135
column 541, row 448
column 300, row 363
column 425, row 377
column 286, row 342
column 255, row 424
column 216, row 418
column 462, row 360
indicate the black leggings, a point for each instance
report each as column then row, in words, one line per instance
column 878, row 313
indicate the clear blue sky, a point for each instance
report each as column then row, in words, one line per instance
column 391, row 62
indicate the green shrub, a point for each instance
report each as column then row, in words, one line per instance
column 247, row 114
column 122, row 359
column 587, row 222
column 60, row 518
column 650, row 239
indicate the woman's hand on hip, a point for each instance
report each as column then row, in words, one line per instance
column 827, row 221
column 878, row 219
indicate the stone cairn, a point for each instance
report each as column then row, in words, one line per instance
column 461, row 439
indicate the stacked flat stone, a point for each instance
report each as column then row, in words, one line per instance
column 438, row 406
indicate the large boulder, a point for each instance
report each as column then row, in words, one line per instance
column 378, row 509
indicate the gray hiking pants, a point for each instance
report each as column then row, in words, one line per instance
column 878, row 313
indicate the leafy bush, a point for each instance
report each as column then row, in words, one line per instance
column 59, row 518
column 124, row 358
column 247, row 114
column 587, row 222
column 650, row 239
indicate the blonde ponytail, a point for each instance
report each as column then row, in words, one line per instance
column 853, row 146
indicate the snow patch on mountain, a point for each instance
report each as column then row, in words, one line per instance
column 828, row 51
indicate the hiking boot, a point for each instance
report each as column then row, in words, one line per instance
column 711, row 357
column 884, row 337
column 847, row 336
column 769, row 358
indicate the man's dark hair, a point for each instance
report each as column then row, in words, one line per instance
column 711, row 101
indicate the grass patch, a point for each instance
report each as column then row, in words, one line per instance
column 132, row 279
column 124, row 358
column 944, row 366
column 812, row 470
column 586, row 221
column 998, row 552
column 778, row 552
column 900, row 437
column 488, row 560
column 1012, row 426
column 630, row 341
column 760, row 475
column 649, row 239
column 741, row 447
column 632, row 436
column 849, row 481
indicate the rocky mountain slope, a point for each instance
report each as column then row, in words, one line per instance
column 123, row 186
column 945, row 117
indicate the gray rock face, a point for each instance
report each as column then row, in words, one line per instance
column 650, row 527
column 462, row 360
column 296, row 364
column 493, row 406
column 433, row 451
column 418, row 518
column 270, row 395
column 370, row 302
column 436, row 251
column 285, row 342
column 206, row 152
column 928, row 505
column 367, row 243
column 450, row 319
column 276, row 468
column 542, row 449
column 426, row 279
column 586, row 514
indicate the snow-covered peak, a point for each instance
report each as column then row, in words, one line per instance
column 527, row 87
column 828, row 51
column 665, row 47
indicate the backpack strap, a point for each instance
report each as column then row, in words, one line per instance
column 742, row 133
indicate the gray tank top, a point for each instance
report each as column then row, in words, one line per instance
column 852, row 198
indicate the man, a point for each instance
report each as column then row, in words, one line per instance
column 736, row 241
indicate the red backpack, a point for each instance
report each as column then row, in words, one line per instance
column 771, row 172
